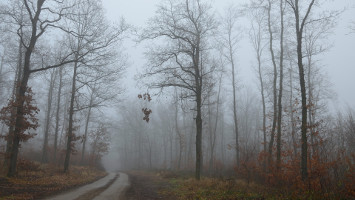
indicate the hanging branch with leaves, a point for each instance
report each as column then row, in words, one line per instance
column 146, row 111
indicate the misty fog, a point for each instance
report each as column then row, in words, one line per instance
column 213, row 88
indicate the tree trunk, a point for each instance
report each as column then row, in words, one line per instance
column 216, row 122
column 257, row 43
column 22, row 91
column 299, row 35
column 15, row 91
column 57, row 113
column 48, row 116
column 150, row 153
column 264, row 108
column 198, row 82
column 198, row 138
column 65, row 119
column 71, row 120
column 86, row 127
column 271, row 143
column 19, row 112
column 311, row 104
column 279, row 119
column 293, row 123
column 171, row 149
column 1, row 67
column 235, row 116
column 181, row 138
column 210, row 134
column 304, row 148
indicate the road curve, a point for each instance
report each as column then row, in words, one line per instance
column 109, row 187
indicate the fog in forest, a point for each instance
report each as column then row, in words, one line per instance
column 213, row 88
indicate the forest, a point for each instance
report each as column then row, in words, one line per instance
column 66, row 99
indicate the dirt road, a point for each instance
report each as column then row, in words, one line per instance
column 111, row 187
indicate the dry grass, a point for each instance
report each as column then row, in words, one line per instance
column 218, row 189
column 45, row 180
column 209, row 188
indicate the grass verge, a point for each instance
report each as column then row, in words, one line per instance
column 209, row 188
column 182, row 187
column 45, row 180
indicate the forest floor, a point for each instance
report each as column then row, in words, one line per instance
column 171, row 185
column 175, row 186
column 37, row 181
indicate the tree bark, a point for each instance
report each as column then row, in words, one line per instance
column 87, row 126
column 15, row 91
column 274, row 121
column 22, row 90
column 48, row 116
column 198, row 82
column 71, row 120
column 300, row 23
column 292, row 119
column 56, row 131
column 181, row 138
column 1, row 68
column 19, row 113
column 235, row 118
column 279, row 119
column 214, row 131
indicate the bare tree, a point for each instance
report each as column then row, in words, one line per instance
column 301, row 21
column 183, row 62
column 256, row 37
column 229, row 44
column 274, row 88
column 90, row 38
column 99, row 94
column 315, row 43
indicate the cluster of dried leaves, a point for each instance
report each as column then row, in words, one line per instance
column 146, row 111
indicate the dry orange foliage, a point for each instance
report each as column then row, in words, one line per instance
column 328, row 178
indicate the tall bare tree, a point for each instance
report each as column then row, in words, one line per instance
column 185, row 27
column 274, row 86
column 90, row 38
column 304, row 18
column 256, row 37
column 229, row 42
column 98, row 94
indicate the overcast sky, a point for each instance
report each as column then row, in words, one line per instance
column 339, row 62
